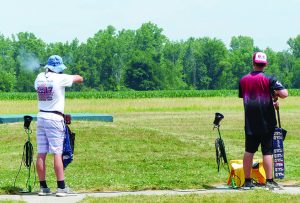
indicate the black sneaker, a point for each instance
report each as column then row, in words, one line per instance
column 272, row 185
column 248, row 185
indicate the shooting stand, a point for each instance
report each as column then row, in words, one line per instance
column 221, row 157
column 27, row 157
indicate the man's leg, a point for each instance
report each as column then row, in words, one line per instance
column 41, row 170
column 247, row 164
column 267, row 151
column 268, row 165
column 55, row 134
column 59, row 167
column 42, row 149
column 62, row 190
column 41, row 166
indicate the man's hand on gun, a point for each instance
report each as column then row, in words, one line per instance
column 275, row 101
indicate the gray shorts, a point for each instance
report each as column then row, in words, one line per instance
column 50, row 136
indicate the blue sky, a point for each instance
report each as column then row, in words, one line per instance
column 269, row 22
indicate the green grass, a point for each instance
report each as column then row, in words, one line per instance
column 245, row 197
column 153, row 143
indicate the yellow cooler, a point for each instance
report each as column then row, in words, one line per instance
column 237, row 172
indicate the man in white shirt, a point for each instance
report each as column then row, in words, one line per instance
column 50, row 86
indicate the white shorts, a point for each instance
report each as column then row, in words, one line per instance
column 50, row 136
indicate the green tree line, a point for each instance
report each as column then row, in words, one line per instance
column 143, row 59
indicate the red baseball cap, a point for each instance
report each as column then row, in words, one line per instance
column 260, row 57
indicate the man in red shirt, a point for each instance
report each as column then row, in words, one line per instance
column 258, row 92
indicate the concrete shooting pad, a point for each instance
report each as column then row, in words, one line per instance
column 34, row 198
column 12, row 118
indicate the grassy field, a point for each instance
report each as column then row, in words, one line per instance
column 245, row 197
column 154, row 143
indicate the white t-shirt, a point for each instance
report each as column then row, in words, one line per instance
column 51, row 93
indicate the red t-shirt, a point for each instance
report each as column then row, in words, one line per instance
column 256, row 89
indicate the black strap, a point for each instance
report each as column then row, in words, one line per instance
column 55, row 112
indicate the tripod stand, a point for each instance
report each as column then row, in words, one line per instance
column 220, row 147
column 27, row 157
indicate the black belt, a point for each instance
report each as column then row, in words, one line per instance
column 55, row 112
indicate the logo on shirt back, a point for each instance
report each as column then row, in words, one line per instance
column 45, row 93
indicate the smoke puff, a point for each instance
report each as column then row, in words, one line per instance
column 28, row 60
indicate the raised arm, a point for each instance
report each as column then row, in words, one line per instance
column 77, row 79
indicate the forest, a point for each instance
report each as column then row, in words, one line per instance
column 143, row 59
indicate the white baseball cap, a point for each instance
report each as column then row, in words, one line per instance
column 260, row 57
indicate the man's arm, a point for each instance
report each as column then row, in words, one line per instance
column 240, row 90
column 77, row 79
column 278, row 89
column 281, row 93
